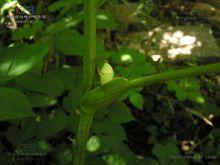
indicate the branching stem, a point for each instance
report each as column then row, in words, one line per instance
column 175, row 74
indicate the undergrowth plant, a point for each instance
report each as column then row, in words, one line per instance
column 23, row 89
column 99, row 97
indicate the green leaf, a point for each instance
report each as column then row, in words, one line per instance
column 39, row 100
column 70, row 76
column 64, row 155
column 27, row 31
column 136, row 99
column 105, row 20
column 124, row 152
column 164, row 153
column 57, row 6
column 181, row 94
column 72, row 123
column 29, row 128
column 64, row 24
column 70, row 42
column 52, row 124
column 43, row 146
column 49, row 85
column 105, row 145
column 196, row 96
column 109, row 128
column 141, row 70
column 114, row 160
column 14, row 135
column 120, row 113
column 13, row 104
column 172, row 85
column 14, row 61
column 72, row 101
column 148, row 161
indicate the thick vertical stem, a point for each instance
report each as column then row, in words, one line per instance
column 90, row 44
column 82, row 136
column 89, row 60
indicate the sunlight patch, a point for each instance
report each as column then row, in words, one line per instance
column 126, row 58
column 102, row 17
column 93, row 144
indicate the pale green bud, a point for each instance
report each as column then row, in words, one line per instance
column 106, row 73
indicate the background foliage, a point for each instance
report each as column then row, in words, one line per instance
column 40, row 73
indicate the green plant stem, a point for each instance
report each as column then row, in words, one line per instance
column 108, row 93
column 90, row 44
column 89, row 60
column 175, row 74
column 82, row 136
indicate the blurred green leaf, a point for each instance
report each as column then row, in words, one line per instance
column 120, row 113
column 40, row 100
column 64, row 24
column 52, row 124
column 165, row 153
column 136, row 99
column 13, row 104
column 70, row 76
column 27, row 31
column 14, row 61
column 114, row 160
column 181, row 94
column 105, row 20
column 70, row 42
column 49, row 85
column 72, row 101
